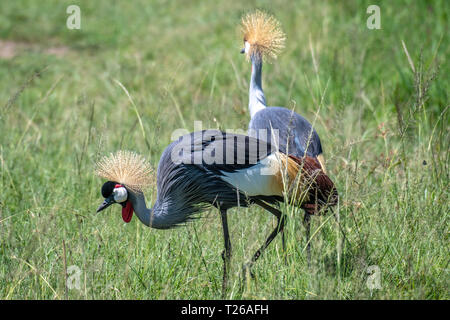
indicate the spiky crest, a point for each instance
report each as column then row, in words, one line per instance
column 263, row 32
column 127, row 168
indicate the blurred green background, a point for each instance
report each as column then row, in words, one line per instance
column 378, row 99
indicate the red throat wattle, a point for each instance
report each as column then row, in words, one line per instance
column 127, row 212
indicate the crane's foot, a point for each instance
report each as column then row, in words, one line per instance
column 307, row 223
column 246, row 275
column 247, row 271
column 226, row 256
column 283, row 241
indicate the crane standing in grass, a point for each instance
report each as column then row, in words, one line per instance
column 292, row 133
column 263, row 39
column 214, row 168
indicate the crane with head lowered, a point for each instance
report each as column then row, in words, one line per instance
column 214, row 168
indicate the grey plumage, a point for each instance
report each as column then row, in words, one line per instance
column 295, row 136
column 186, row 188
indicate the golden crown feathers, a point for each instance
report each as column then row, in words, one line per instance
column 263, row 32
column 127, row 168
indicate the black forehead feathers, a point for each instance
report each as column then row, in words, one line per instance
column 108, row 188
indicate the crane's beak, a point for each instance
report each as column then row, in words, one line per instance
column 243, row 50
column 108, row 201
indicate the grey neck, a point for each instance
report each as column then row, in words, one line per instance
column 140, row 208
column 160, row 216
column 257, row 101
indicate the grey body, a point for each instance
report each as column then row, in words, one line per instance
column 296, row 136
column 186, row 188
column 295, row 133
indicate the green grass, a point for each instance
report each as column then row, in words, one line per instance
column 384, row 128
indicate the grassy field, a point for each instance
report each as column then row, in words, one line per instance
column 379, row 100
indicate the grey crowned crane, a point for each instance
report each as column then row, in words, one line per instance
column 292, row 133
column 263, row 39
column 214, row 168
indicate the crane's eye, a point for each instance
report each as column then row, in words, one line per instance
column 120, row 194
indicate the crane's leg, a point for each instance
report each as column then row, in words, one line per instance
column 278, row 228
column 278, row 214
column 226, row 253
column 307, row 223
column 283, row 242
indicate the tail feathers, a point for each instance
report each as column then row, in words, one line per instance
column 320, row 190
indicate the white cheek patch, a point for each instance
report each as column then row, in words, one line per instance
column 120, row 194
column 246, row 47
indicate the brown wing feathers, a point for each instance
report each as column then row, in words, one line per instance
column 313, row 188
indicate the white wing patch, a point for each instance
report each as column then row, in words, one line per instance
column 258, row 180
